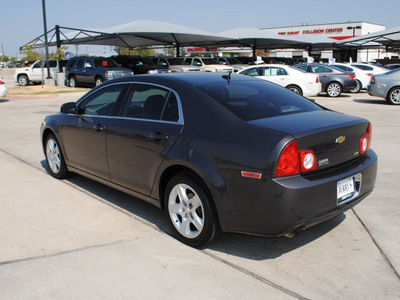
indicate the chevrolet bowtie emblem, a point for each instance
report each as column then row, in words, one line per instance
column 340, row 139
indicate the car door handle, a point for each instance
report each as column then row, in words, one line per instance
column 158, row 136
column 99, row 127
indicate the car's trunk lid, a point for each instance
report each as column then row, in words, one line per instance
column 334, row 137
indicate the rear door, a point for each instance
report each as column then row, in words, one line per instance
column 140, row 138
column 275, row 74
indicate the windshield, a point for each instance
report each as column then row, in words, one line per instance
column 175, row 61
column 258, row 99
column 105, row 63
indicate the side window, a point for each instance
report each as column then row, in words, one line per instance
column 197, row 62
column 79, row 63
column 150, row 102
column 102, row 102
column 251, row 72
column 171, row 111
column 273, row 71
column 145, row 102
column 89, row 63
column 163, row 62
column 304, row 68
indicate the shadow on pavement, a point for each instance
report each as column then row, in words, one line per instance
column 4, row 100
column 371, row 101
column 250, row 247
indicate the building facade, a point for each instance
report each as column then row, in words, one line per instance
column 335, row 31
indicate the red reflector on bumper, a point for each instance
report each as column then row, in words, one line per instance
column 251, row 175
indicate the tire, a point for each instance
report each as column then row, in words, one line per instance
column 393, row 96
column 23, row 80
column 191, row 211
column 98, row 81
column 295, row 89
column 72, row 81
column 333, row 89
column 357, row 88
column 54, row 158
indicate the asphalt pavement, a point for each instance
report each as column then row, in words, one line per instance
column 78, row 239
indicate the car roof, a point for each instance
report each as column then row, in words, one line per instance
column 193, row 79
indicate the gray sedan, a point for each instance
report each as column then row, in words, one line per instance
column 333, row 80
column 386, row 86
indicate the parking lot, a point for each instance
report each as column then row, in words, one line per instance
column 77, row 238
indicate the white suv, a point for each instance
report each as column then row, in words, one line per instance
column 207, row 64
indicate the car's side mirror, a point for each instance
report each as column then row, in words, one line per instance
column 69, row 108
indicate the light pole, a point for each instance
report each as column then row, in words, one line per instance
column 45, row 39
column 354, row 29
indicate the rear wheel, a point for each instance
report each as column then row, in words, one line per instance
column 191, row 210
column 333, row 89
column 357, row 88
column 23, row 80
column 394, row 96
column 72, row 81
column 54, row 157
column 295, row 89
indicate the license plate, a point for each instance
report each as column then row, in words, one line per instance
column 345, row 189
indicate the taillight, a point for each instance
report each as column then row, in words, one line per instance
column 317, row 79
column 365, row 141
column 372, row 81
column 293, row 161
column 369, row 74
column 351, row 76
column 2, row 82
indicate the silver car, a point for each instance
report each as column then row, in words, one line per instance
column 386, row 86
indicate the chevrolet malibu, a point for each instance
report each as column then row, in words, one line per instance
column 219, row 153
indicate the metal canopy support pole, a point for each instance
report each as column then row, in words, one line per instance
column 58, row 42
column 45, row 38
column 177, row 50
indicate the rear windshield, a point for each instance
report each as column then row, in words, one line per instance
column 105, row 63
column 258, row 99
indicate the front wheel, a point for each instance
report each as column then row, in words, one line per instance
column 23, row 80
column 334, row 89
column 54, row 157
column 98, row 81
column 191, row 211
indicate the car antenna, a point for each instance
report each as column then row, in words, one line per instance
column 228, row 77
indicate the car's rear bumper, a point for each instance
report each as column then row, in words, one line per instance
column 280, row 206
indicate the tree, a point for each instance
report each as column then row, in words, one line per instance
column 171, row 51
column 143, row 51
column 60, row 53
column 29, row 53
column 5, row 58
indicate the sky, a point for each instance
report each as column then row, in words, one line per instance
column 22, row 20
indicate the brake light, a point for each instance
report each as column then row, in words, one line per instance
column 365, row 141
column 293, row 161
column 317, row 79
column 351, row 76
column 2, row 82
column 369, row 74
column 372, row 81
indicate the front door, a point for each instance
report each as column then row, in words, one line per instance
column 84, row 133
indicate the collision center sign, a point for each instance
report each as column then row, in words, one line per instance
column 312, row 31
